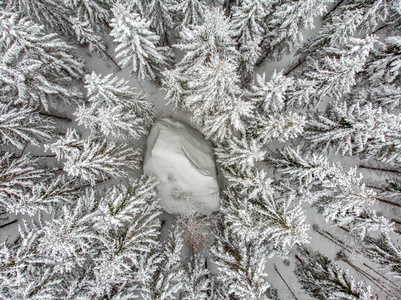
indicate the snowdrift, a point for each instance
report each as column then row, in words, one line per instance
column 183, row 162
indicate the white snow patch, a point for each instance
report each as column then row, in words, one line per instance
column 183, row 162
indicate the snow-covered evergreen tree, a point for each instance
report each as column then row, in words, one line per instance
column 67, row 241
column 191, row 12
column 347, row 129
column 214, row 38
column 247, row 22
column 19, row 126
column 323, row 279
column 112, row 91
column 241, row 266
column 116, row 108
column 137, row 44
column 279, row 220
column 384, row 251
column 96, row 12
column 160, row 15
column 19, row 177
column 197, row 285
column 86, row 35
column 239, row 153
column 269, row 96
column 284, row 25
column 250, row 184
column 39, row 67
column 306, row 169
column 265, row 128
column 24, row 275
column 94, row 158
column 51, row 13
column 335, row 72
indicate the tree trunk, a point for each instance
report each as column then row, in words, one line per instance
column 379, row 169
column 275, row 268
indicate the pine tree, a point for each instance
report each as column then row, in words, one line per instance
column 67, row 241
column 347, row 129
column 279, row 220
column 306, row 169
column 191, row 12
column 115, row 109
column 94, row 159
column 21, row 126
column 247, row 21
column 384, row 251
column 96, row 12
column 23, row 275
column 159, row 13
column 284, row 25
column 86, row 35
column 269, row 96
column 137, row 44
column 197, row 285
column 39, row 67
column 135, row 206
column 335, row 72
column 239, row 153
column 323, row 279
column 111, row 91
column 265, row 128
column 160, row 274
column 212, row 39
column 51, row 13
column 241, row 266
column 250, row 184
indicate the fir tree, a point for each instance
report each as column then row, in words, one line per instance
column 212, row 39
column 241, row 266
column 323, row 279
column 239, row 153
column 269, row 96
column 306, row 169
column 67, row 241
column 191, row 12
column 39, row 67
column 279, row 220
column 111, row 91
column 115, row 108
column 347, row 129
column 265, row 128
column 159, row 13
column 247, row 21
column 21, row 126
column 94, row 159
column 86, row 35
column 335, row 72
column 96, row 12
column 137, row 44
column 197, row 285
column 284, row 25
column 383, row 251
column 250, row 184
column 51, row 13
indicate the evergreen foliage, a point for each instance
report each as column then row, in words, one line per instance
column 383, row 251
column 115, row 108
column 94, row 159
column 323, row 279
column 137, row 44
column 37, row 68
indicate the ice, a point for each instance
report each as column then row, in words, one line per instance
column 183, row 162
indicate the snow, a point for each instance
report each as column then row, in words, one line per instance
column 183, row 163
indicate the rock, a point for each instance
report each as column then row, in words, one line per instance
column 182, row 160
